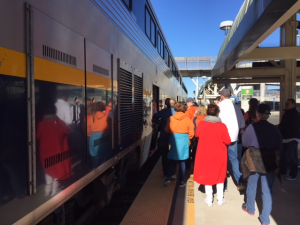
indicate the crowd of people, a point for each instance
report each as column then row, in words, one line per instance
column 211, row 135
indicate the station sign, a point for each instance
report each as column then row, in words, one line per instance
column 247, row 91
column 246, row 95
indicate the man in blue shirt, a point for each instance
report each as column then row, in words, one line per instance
column 163, row 141
column 265, row 138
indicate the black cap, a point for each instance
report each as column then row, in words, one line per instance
column 218, row 98
column 263, row 109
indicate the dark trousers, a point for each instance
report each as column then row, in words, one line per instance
column 163, row 148
column 172, row 169
column 192, row 153
column 289, row 149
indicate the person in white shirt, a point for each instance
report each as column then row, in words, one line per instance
column 229, row 118
column 63, row 108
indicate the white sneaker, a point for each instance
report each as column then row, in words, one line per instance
column 167, row 182
column 173, row 177
column 209, row 204
column 220, row 203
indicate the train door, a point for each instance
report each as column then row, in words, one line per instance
column 155, row 100
column 155, row 109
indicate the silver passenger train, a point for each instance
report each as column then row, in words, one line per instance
column 79, row 83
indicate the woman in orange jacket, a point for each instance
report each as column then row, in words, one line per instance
column 97, row 128
column 181, row 130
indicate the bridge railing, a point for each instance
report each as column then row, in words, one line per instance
column 195, row 63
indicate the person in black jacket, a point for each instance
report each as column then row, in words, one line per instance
column 161, row 118
column 289, row 128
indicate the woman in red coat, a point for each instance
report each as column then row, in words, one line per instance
column 52, row 134
column 211, row 157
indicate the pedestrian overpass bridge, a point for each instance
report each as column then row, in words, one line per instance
column 243, row 60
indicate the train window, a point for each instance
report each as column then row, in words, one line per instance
column 166, row 56
column 162, row 44
column 153, row 32
column 173, row 67
column 147, row 24
column 158, row 43
column 150, row 27
column 128, row 3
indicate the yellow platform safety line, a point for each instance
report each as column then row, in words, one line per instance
column 190, row 197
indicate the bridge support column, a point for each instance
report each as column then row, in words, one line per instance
column 197, row 87
column 262, row 92
column 288, row 37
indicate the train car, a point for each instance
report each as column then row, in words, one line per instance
column 79, row 83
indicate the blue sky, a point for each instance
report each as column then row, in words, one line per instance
column 192, row 27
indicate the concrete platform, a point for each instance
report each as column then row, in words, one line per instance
column 191, row 209
column 153, row 204
column 157, row 204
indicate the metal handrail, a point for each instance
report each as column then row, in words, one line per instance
column 235, row 25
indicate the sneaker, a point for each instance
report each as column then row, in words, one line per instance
column 246, row 210
column 209, row 204
column 220, row 203
column 173, row 177
column 290, row 178
column 182, row 184
column 226, row 190
column 167, row 182
column 241, row 187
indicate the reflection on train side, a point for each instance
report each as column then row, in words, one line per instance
column 52, row 134
column 13, row 136
column 98, row 135
column 73, row 134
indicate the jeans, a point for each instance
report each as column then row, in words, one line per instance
column 233, row 158
column 290, row 148
column 239, row 153
column 267, row 181
column 172, row 166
